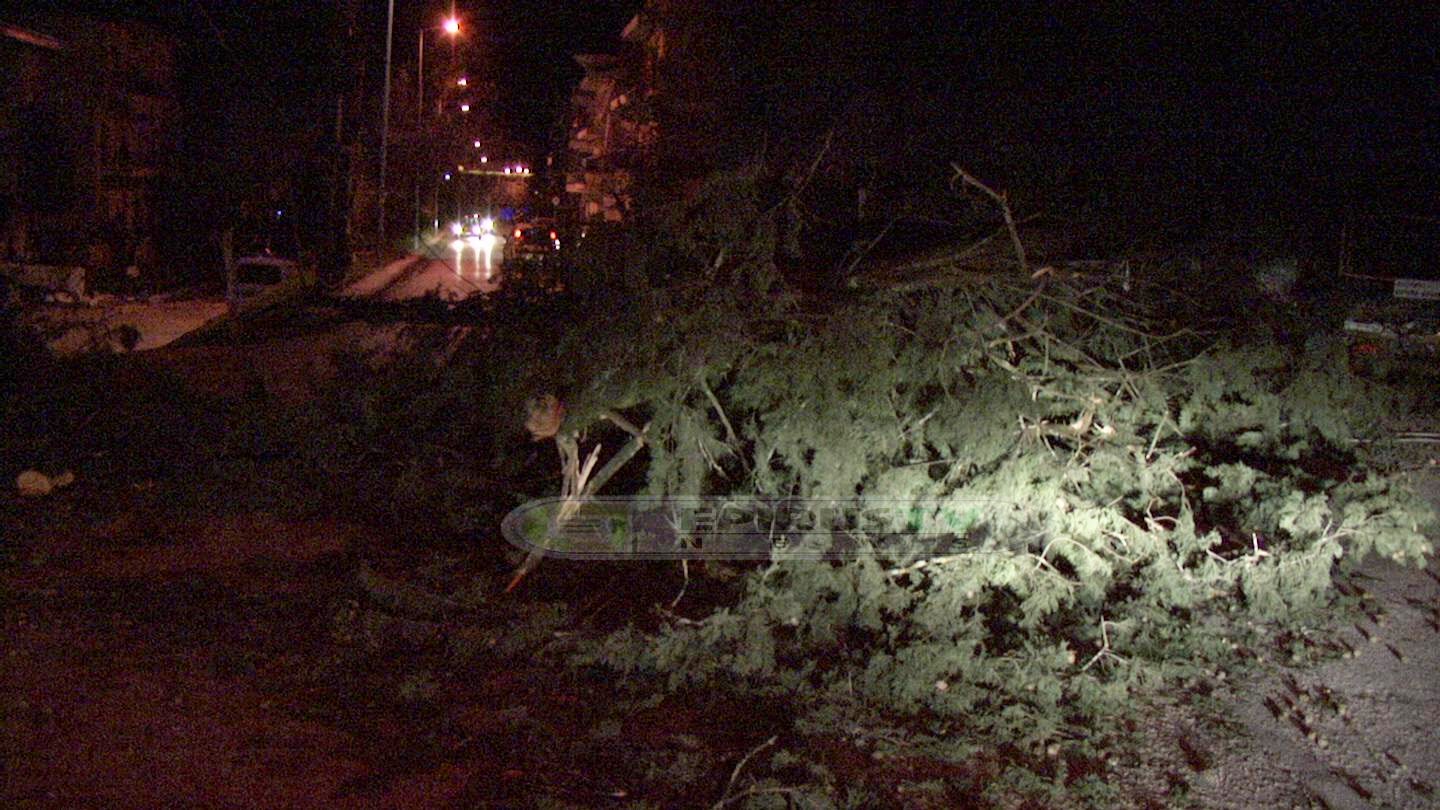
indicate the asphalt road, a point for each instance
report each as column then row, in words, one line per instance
column 447, row 276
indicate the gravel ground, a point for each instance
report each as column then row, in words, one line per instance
column 1358, row 731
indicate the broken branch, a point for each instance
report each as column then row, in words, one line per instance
column 1002, row 200
column 579, row 485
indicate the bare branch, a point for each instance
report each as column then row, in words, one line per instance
column 735, row 774
column 1002, row 200
column 579, row 485
column 621, row 422
column 715, row 403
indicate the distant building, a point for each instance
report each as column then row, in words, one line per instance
column 88, row 122
column 613, row 125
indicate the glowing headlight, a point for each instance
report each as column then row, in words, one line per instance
column 457, row 228
column 487, row 224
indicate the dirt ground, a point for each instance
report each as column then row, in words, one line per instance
column 236, row 663
column 155, row 658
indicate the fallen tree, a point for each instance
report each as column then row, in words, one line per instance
column 1131, row 484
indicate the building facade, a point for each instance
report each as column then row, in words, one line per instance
column 88, row 121
column 614, row 127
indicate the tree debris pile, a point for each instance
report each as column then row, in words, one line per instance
column 1126, row 483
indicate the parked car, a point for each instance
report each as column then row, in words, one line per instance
column 1401, row 328
column 262, row 279
column 1393, row 269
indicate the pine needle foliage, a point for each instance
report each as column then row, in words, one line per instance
column 1126, row 482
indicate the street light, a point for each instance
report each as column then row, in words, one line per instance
column 450, row 26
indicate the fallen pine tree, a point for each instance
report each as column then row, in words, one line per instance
column 1132, row 486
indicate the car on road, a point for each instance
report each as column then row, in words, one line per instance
column 535, row 242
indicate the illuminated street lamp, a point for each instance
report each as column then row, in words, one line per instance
column 450, row 26
column 464, row 108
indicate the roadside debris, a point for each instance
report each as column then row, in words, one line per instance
column 35, row 484
column 545, row 414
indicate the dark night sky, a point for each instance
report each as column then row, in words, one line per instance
column 272, row 56
column 1326, row 99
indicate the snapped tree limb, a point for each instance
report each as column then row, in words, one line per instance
column 579, row 485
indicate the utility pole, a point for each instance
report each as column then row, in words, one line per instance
column 419, row 129
column 385, row 118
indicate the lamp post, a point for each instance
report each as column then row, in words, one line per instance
column 451, row 26
column 385, row 117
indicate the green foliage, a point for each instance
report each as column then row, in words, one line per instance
column 1118, row 487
